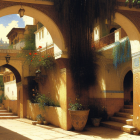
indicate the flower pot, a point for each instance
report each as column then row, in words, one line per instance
column 39, row 122
column 96, row 121
column 79, row 119
column 45, row 122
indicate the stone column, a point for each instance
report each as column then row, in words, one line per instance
column 22, row 99
column 136, row 89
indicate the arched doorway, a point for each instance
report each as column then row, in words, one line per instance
column 128, row 88
column 43, row 18
column 12, row 89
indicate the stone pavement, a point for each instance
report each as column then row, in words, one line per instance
column 21, row 129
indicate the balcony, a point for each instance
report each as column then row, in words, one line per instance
column 109, row 39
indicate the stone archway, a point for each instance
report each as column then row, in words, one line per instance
column 128, row 88
column 16, row 73
column 131, row 30
column 43, row 18
column 134, row 37
column 16, row 88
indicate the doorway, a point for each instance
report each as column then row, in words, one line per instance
column 128, row 88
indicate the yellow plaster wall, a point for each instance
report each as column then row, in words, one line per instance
column 11, row 105
column 51, row 114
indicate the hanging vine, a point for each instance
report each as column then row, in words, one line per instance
column 78, row 18
column 121, row 52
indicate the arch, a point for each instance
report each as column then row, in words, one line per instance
column 113, row 29
column 124, row 72
column 16, row 73
column 131, row 30
column 43, row 18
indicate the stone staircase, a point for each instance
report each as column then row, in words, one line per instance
column 4, row 114
column 122, row 120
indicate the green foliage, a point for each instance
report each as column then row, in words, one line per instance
column 121, row 52
column 132, row 3
column 39, row 117
column 2, row 98
column 1, row 83
column 35, row 59
column 10, row 47
column 30, row 40
column 76, row 106
column 43, row 101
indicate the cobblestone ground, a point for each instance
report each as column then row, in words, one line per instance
column 19, row 130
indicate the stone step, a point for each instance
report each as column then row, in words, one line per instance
column 126, row 110
column 113, row 125
column 119, row 126
column 2, row 111
column 128, row 106
column 125, row 115
column 9, row 117
column 6, row 114
column 122, row 120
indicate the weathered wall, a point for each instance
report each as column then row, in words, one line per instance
column 11, row 105
column 51, row 114
column 109, row 90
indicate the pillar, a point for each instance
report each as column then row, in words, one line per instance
column 136, row 89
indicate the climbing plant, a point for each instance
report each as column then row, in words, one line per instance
column 29, row 39
column 121, row 52
column 133, row 3
column 79, row 17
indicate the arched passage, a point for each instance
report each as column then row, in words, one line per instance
column 128, row 88
column 131, row 30
column 43, row 18
column 16, row 73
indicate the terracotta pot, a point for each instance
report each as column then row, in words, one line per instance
column 39, row 122
column 96, row 121
column 79, row 119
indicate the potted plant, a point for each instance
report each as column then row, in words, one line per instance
column 79, row 115
column 97, row 113
column 39, row 119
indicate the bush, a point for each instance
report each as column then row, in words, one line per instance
column 2, row 98
column 45, row 101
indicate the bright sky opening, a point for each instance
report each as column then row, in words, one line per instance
column 12, row 21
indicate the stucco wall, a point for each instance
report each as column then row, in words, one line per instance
column 10, row 105
column 10, row 90
column 109, row 90
column 51, row 114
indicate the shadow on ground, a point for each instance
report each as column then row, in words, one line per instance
column 6, row 134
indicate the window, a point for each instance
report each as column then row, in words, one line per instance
column 117, row 38
column 39, row 35
column 96, row 33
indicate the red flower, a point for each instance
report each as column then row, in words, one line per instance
column 42, row 56
column 31, row 60
column 40, row 60
column 30, row 53
column 40, row 47
column 35, row 54
column 48, row 56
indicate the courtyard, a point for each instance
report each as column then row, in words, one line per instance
column 21, row 129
